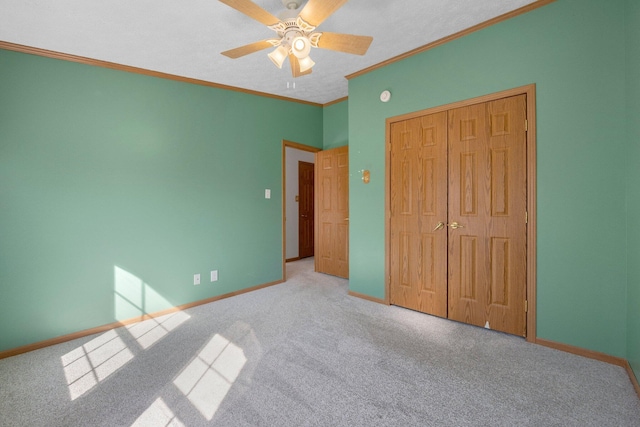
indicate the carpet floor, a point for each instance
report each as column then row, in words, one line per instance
column 304, row 353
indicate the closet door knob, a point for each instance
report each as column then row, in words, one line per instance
column 439, row 226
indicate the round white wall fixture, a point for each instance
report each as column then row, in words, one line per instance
column 385, row 96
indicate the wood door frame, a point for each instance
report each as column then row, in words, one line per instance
column 301, row 147
column 530, row 92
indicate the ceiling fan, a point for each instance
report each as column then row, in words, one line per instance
column 296, row 33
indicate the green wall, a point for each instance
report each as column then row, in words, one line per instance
column 116, row 188
column 335, row 125
column 633, row 183
column 574, row 51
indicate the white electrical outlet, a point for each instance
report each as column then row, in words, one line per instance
column 196, row 279
column 214, row 275
column 267, row 193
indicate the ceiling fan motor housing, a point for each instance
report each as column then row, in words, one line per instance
column 294, row 28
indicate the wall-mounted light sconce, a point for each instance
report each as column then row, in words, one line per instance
column 366, row 176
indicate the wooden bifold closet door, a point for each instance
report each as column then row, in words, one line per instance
column 458, row 227
column 418, row 214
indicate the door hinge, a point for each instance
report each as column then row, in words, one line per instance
column 526, row 306
column 526, row 125
column 526, row 217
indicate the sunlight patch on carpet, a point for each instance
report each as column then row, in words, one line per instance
column 150, row 331
column 158, row 414
column 207, row 379
column 93, row 362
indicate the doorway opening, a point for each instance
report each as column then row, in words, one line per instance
column 293, row 154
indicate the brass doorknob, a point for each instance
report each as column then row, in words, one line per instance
column 455, row 225
column 439, row 226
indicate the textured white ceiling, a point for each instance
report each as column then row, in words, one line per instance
column 185, row 37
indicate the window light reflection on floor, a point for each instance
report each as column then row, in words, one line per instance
column 93, row 362
column 150, row 331
column 207, row 379
column 158, row 414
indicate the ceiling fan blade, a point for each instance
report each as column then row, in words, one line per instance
column 347, row 43
column 247, row 49
column 295, row 67
column 252, row 10
column 316, row 11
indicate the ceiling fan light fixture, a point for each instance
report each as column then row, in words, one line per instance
column 305, row 64
column 279, row 55
column 296, row 33
column 300, row 47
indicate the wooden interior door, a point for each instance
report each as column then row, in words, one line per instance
column 458, row 211
column 487, row 215
column 305, row 209
column 418, row 239
column 332, row 210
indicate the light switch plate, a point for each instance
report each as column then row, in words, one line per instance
column 196, row 279
column 267, row 193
